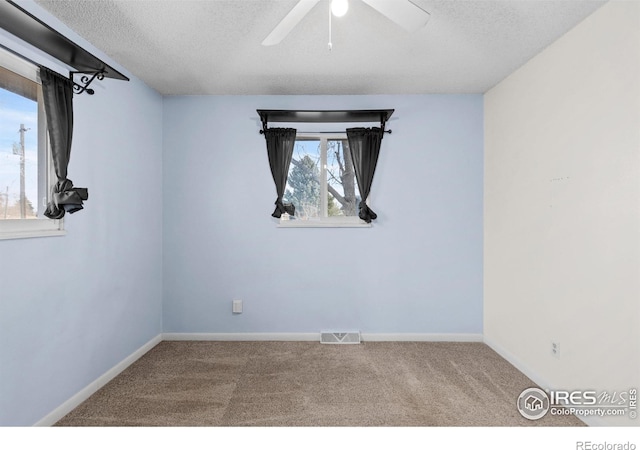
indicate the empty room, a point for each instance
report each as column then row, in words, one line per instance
column 314, row 213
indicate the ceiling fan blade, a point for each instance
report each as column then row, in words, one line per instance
column 406, row 14
column 289, row 22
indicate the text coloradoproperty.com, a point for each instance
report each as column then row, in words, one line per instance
column 567, row 411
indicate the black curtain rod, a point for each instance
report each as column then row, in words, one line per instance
column 324, row 132
column 325, row 116
column 24, row 25
column 29, row 28
column 77, row 88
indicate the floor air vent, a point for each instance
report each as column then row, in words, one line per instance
column 349, row 337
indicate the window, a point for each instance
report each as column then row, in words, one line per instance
column 25, row 166
column 322, row 183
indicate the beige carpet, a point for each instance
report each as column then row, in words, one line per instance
column 310, row 384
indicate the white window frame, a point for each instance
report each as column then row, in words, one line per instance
column 324, row 221
column 41, row 226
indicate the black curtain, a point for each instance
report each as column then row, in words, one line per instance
column 364, row 144
column 58, row 105
column 280, row 143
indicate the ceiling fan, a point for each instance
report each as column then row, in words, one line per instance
column 403, row 12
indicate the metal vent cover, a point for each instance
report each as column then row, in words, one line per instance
column 340, row 337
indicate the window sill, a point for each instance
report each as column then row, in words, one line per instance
column 323, row 224
column 31, row 234
column 31, row 228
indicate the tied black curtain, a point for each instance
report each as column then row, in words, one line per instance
column 364, row 144
column 58, row 105
column 280, row 143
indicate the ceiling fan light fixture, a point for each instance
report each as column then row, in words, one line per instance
column 339, row 7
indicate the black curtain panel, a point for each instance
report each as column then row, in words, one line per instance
column 280, row 143
column 58, row 105
column 364, row 144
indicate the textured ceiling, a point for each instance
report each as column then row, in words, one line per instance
column 214, row 46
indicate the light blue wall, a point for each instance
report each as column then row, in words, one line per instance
column 417, row 270
column 73, row 307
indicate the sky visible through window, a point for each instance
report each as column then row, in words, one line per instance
column 14, row 111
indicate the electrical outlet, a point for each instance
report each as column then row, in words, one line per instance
column 555, row 349
column 237, row 307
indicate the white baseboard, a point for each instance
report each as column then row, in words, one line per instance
column 517, row 363
column 366, row 337
column 64, row 409
column 421, row 337
column 241, row 337
column 536, row 378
